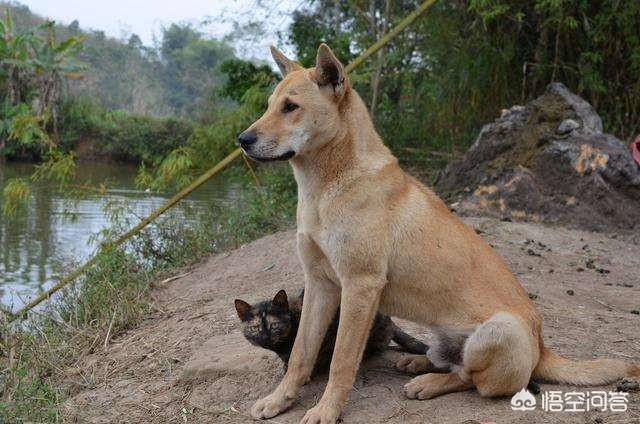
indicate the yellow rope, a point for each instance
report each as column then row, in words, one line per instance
column 251, row 171
column 408, row 20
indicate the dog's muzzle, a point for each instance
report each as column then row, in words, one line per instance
column 285, row 156
column 246, row 139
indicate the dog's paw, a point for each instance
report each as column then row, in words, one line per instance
column 322, row 413
column 270, row 406
column 419, row 388
column 413, row 364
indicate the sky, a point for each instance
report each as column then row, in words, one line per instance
column 120, row 18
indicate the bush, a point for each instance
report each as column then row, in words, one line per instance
column 120, row 135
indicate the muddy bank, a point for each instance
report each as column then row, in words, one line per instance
column 189, row 363
column 548, row 161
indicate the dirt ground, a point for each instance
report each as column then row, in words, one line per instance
column 188, row 363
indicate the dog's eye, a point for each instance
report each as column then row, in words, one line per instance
column 289, row 107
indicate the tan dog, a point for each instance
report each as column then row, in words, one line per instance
column 371, row 237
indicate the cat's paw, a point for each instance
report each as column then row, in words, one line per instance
column 413, row 364
column 322, row 413
column 270, row 406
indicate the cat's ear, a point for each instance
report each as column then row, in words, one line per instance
column 243, row 309
column 280, row 300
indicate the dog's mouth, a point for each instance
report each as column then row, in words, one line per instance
column 285, row 156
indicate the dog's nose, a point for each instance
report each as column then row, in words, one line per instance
column 247, row 138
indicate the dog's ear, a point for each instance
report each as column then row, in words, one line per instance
column 329, row 70
column 285, row 64
column 280, row 300
column 243, row 309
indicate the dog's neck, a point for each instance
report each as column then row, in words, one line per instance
column 356, row 150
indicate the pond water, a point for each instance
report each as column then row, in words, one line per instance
column 55, row 229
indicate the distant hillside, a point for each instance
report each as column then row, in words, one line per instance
column 179, row 77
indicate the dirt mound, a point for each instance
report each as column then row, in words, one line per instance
column 547, row 161
column 188, row 362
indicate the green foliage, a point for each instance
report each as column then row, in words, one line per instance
column 311, row 28
column 190, row 67
column 33, row 64
column 57, row 166
column 24, row 130
column 453, row 70
column 111, row 295
column 15, row 193
column 592, row 47
column 274, row 207
column 32, row 399
column 211, row 142
column 117, row 134
column 243, row 75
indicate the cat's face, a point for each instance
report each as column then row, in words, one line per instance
column 266, row 324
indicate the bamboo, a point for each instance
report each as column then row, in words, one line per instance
column 390, row 35
column 408, row 20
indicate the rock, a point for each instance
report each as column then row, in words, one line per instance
column 230, row 354
column 591, row 122
column 567, row 126
column 547, row 161
column 628, row 385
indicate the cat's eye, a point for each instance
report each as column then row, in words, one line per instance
column 289, row 106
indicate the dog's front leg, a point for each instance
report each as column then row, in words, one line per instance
column 358, row 306
column 321, row 300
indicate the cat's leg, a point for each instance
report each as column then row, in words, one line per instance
column 319, row 307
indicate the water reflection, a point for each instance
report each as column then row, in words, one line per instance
column 53, row 230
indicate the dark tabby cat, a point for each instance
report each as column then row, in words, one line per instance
column 273, row 325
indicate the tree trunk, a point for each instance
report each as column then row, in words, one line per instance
column 12, row 86
column 377, row 76
column 538, row 55
column 336, row 18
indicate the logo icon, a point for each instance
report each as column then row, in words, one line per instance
column 523, row 401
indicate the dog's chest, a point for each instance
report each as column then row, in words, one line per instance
column 315, row 243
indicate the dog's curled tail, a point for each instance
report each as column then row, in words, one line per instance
column 407, row 342
column 554, row 368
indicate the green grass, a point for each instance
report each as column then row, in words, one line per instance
column 114, row 295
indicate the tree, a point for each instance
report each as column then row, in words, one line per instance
column 15, row 62
column 54, row 63
column 190, row 67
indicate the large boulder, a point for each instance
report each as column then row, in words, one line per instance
column 547, row 161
